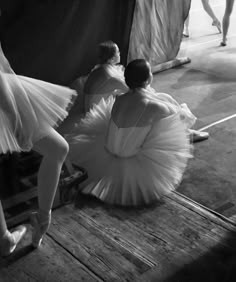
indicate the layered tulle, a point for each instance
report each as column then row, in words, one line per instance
column 84, row 102
column 104, row 88
column 141, row 177
column 156, row 31
column 28, row 107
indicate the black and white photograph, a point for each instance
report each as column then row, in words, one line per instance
column 117, row 141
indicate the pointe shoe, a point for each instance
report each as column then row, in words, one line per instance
column 217, row 24
column 10, row 240
column 223, row 44
column 185, row 33
column 198, row 136
column 39, row 228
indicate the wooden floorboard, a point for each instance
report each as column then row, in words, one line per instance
column 96, row 242
column 91, row 244
column 51, row 263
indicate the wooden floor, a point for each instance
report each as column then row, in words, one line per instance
column 176, row 240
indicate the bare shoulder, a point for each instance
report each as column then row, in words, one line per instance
column 122, row 102
column 116, row 104
column 158, row 109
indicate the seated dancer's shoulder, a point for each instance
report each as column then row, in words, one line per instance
column 158, row 109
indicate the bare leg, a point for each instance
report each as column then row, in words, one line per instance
column 226, row 20
column 210, row 12
column 54, row 149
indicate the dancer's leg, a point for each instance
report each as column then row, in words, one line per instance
column 226, row 20
column 210, row 12
column 54, row 150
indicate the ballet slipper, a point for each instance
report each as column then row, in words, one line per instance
column 10, row 240
column 198, row 136
column 40, row 227
column 217, row 24
column 186, row 33
column 223, row 43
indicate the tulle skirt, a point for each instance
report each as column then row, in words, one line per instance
column 155, row 170
column 29, row 107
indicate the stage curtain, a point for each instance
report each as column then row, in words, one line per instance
column 157, row 29
column 56, row 40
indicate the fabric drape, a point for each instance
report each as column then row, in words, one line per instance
column 157, row 29
column 56, row 40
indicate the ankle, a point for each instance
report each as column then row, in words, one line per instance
column 40, row 222
column 7, row 237
column 3, row 233
column 44, row 216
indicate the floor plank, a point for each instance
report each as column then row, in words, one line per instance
column 52, row 262
column 92, row 246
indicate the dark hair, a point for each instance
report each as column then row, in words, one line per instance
column 106, row 51
column 137, row 73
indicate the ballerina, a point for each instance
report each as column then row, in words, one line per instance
column 30, row 109
column 226, row 20
column 135, row 147
column 106, row 78
column 210, row 12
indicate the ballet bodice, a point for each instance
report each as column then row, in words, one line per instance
column 125, row 142
column 105, row 87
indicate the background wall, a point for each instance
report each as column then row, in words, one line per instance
column 56, row 40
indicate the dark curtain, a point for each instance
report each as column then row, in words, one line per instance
column 56, row 40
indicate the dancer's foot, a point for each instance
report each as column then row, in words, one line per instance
column 186, row 33
column 217, row 24
column 40, row 224
column 10, row 240
column 198, row 136
column 223, row 43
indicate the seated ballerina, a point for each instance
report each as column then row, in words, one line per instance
column 105, row 79
column 135, row 146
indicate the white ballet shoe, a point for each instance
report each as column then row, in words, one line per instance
column 10, row 240
column 198, row 136
column 217, row 24
column 186, row 33
column 39, row 228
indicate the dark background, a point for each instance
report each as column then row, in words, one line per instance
column 56, row 40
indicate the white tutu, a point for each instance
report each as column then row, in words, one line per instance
column 113, row 71
column 130, row 166
column 28, row 108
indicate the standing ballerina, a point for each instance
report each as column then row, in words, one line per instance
column 29, row 111
column 226, row 20
column 210, row 12
column 134, row 146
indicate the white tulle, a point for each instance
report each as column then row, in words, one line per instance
column 130, row 166
column 113, row 71
column 28, row 107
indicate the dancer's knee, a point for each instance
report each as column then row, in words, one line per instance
column 61, row 150
column 53, row 147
